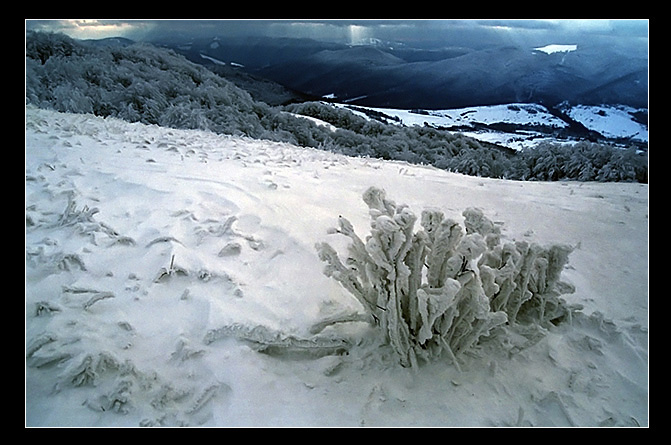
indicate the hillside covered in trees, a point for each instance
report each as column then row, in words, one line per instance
column 143, row 83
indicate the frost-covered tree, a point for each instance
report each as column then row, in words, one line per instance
column 143, row 83
column 582, row 161
column 439, row 290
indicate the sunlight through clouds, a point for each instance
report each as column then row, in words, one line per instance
column 471, row 33
column 92, row 28
column 358, row 34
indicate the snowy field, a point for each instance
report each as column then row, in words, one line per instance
column 531, row 114
column 155, row 257
column 607, row 120
column 610, row 121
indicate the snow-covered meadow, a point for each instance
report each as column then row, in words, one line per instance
column 529, row 114
column 610, row 121
column 170, row 272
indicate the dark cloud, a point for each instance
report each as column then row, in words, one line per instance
column 424, row 33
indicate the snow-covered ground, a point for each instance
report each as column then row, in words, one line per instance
column 609, row 121
column 154, row 255
column 521, row 114
column 316, row 121
column 557, row 48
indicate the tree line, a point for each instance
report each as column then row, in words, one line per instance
column 144, row 83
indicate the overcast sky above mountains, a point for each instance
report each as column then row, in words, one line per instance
column 471, row 33
column 421, row 63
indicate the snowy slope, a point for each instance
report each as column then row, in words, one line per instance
column 557, row 48
column 466, row 120
column 529, row 114
column 609, row 121
column 154, row 258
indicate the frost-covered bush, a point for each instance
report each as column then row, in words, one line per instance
column 442, row 288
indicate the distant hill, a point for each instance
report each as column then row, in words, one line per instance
column 491, row 76
column 143, row 83
column 261, row 89
column 382, row 76
column 110, row 42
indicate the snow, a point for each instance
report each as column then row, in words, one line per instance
column 219, row 62
column 516, row 141
column 153, row 255
column 316, row 121
column 610, row 121
column 470, row 117
column 555, row 48
column 212, row 59
column 531, row 114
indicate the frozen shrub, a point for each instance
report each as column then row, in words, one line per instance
column 523, row 279
column 442, row 288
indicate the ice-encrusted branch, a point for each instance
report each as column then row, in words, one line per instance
column 264, row 339
column 442, row 288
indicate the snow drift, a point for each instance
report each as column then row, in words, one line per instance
column 172, row 280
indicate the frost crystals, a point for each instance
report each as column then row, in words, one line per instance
column 443, row 288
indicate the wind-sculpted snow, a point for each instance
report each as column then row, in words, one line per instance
column 171, row 280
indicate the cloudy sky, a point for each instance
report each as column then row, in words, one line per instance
column 413, row 32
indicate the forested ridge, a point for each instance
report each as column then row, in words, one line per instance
column 144, row 83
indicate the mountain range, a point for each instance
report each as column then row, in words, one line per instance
column 382, row 74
